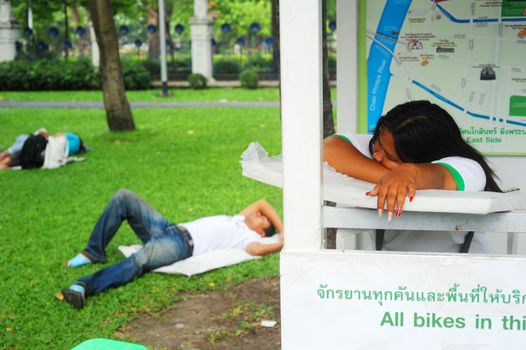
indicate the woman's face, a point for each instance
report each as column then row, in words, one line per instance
column 384, row 151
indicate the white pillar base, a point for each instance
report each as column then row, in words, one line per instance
column 202, row 34
column 9, row 32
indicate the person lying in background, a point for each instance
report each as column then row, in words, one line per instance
column 11, row 157
column 52, row 151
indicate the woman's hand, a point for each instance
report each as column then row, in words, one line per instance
column 404, row 180
column 394, row 187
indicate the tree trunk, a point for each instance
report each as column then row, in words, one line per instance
column 75, row 18
column 154, row 49
column 170, row 46
column 66, row 30
column 118, row 112
column 81, row 42
column 328, row 120
column 168, row 10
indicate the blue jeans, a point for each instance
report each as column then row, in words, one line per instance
column 164, row 244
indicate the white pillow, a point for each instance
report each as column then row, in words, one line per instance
column 203, row 262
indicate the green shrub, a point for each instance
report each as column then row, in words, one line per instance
column 136, row 77
column 332, row 65
column 14, row 76
column 71, row 75
column 197, row 81
column 182, row 69
column 152, row 66
column 226, row 70
column 249, row 78
column 178, row 69
column 79, row 75
column 48, row 75
column 260, row 62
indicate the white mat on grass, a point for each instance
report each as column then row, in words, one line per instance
column 350, row 192
column 203, row 262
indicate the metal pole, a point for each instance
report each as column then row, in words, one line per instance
column 30, row 15
column 95, row 53
column 162, row 37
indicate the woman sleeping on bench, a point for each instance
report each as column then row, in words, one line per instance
column 416, row 145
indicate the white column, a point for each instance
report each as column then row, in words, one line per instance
column 347, row 65
column 95, row 53
column 9, row 32
column 202, row 31
column 301, row 108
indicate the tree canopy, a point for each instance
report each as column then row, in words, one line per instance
column 240, row 14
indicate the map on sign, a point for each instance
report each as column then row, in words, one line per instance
column 468, row 56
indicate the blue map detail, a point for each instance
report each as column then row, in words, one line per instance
column 513, row 122
column 485, row 20
column 477, row 20
column 476, row 115
column 450, row 16
column 440, row 97
column 451, row 103
column 379, row 61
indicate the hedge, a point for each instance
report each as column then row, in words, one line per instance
column 48, row 75
column 178, row 69
column 79, row 74
column 226, row 69
column 59, row 75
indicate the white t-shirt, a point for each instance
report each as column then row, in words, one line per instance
column 468, row 175
column 220, row 232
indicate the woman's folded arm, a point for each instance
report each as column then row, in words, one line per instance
column 346, row 159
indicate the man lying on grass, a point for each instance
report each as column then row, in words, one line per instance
column 165, row 242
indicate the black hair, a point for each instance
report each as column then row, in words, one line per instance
column 424, row 132
column 269, row 230
column 32, row 155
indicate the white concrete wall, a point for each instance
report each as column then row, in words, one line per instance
column 511, row 171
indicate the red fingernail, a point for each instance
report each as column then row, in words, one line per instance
column 367, row 194
column 411, row 197
column 398, row 212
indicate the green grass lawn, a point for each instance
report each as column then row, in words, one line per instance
column 178, row 95
column 185, row 162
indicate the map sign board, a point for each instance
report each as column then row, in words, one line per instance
column 467, row 56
